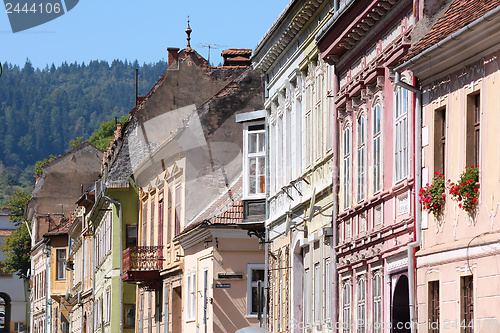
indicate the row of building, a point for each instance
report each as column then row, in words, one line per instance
column 284, row 189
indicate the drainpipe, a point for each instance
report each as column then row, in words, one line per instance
column 418, row 183
column 335, row 208
column 263, row 322
column 121, row 252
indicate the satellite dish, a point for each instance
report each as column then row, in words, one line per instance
column 288, row 220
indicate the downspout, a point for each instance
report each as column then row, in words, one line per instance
column 121, row 251
column 335, row 208
column 418, row 183
column 263, row 323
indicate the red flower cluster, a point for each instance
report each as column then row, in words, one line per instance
column 432, row 196
column 465, row 190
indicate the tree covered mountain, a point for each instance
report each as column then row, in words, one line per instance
column 42, row 110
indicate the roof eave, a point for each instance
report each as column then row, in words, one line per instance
column 442, row 58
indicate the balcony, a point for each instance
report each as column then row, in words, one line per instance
column 142, row 265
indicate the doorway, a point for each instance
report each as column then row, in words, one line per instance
column 401, row 306
column 4, row 312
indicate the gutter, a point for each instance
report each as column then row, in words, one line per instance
column 418, row 207
column 454, row 36
column 338, row 12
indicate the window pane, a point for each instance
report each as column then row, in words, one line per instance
column 252, row 143
column 262, row 141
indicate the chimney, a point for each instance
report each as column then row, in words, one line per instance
column 173, row 52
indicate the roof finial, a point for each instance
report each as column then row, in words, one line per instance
column 188, row 32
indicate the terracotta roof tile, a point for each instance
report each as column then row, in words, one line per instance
column 458, row 15
column 61, row 229
column 241, row 52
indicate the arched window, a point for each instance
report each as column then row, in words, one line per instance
column 401, row 134
column 361, row 313
column 346, row 308
column 377, row 148
column 377, row 302
column 361, row 158
column 346, row 166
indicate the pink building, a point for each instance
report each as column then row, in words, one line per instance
column 374, row 150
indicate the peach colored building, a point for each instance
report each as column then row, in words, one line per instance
column 456, row 63
column 223, row 267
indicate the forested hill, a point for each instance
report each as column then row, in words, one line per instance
column 42, row 110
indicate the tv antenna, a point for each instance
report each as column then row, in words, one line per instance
column 211, row 46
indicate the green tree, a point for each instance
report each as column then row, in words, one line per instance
column 76, row 142
column 40, row 164
column 105, row 133
column 18, row 244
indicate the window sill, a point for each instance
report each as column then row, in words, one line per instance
column 190, row 320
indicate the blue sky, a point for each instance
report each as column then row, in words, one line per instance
column 142, row 30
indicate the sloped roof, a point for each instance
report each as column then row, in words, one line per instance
column 61, row 229
column 459, row 14
column 237, row 52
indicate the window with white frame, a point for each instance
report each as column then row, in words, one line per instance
column 401, row 134
column 346, row 169
column 191, row 296
column 318, row 306
column 328, row 291
column 308, row 297
column 361, row 158
column 255, row 159
column 346, row 308
column 166, row 295
column 61, row 264
column 107, row 306
column 318, row 110
column 255, row 289
column 377, row 302
column 361, row 313
column 377, row 152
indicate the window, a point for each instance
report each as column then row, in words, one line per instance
column 346, row 308
column 361, row 159
column 169, row 216
column 377, row 152
column 433, row 305
column 131, row 235
column 401, row 134
column 307, row 297
column 61, row 264
column 377, row 303
column 166, row 294
column 177, row 209
column 255, row 289
column 107, row 307
column 317, row 293
column 152, row 225
column 129, row 315
column 191, row 296
column 255, row 165
column 361, row 313
column 328, row 295
column 144, row 224
column 141, row 312
column 473, row 122
column 439, row 139
column 467, row 304
column 160, row 223
column 346, row 179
